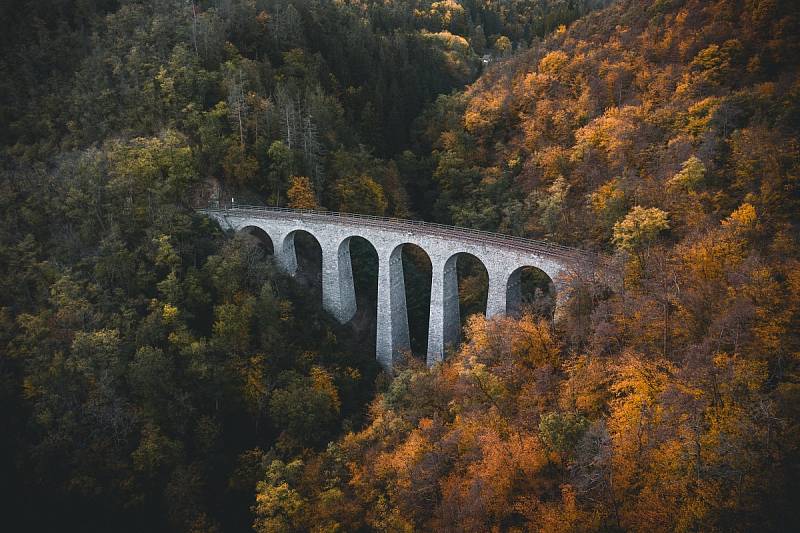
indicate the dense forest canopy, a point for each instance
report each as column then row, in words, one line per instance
column 157, row 373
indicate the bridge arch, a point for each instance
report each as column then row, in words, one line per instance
column 473, row 284
column 417, row 272
column 363, row 258
column 352, row 271
column 529, row 288
column 300, row 252
column 445, row 310
column 261, row 236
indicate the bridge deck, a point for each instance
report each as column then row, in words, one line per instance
column 538, row 247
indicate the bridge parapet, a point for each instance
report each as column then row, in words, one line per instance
column 566, row 253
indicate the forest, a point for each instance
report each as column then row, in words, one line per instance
column 158, row 373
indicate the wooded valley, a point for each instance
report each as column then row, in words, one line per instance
column 160, row 374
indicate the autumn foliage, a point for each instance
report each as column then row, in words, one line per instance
column 664, row 398
column 160, row 374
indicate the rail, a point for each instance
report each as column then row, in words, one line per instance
column 475, row 235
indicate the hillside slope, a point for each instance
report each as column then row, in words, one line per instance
column 666, row 399
column 156, row 374
column 613, row 109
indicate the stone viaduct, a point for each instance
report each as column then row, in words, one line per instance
column 503, row 256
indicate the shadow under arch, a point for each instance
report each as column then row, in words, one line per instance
column 473, row 284
column 530, row 290
column 261, row 237
column 464, row 291
column 361, row 263
column 306, row 251
column 417, row 279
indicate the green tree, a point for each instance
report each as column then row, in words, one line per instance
column 690, row 176
column 278, row 506
column 359, row 194
column 502, row 46
column 561, row 432
column 552, row 206
column 306, row 407
column 148, row 170
column 640, row 227
column 280, row 168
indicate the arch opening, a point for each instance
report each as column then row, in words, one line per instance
column 473, row 285
column 530, row 290
column 417, row 278
column 260, row 237
column 308, row 254
column 364, row 265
